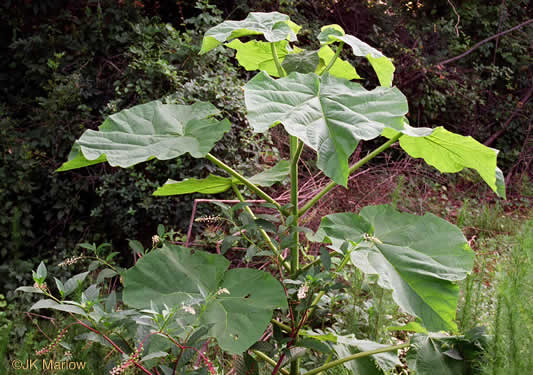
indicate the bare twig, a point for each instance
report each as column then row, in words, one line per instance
column 458, row 18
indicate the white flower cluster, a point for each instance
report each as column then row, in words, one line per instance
column 222, row 291
column 117, row 370
column 302, row 292
column 70, row 261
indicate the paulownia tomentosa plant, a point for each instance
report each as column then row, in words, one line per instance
column 313, row 95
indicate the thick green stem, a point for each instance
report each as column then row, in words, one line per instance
column 246, row 182
column 352, row 169
column 355, row 356
column 296, row 149
column 280, row 69
column 269, row 360
column 284, row 327
column 264, row 234
column 334, row 58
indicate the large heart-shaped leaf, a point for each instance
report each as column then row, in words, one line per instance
column 382, row 65
column 273, row 26
column 237, row 304
column 146, row 131
column 216, row 184
column 328, row 114
column 418, row 258
column 450, row 153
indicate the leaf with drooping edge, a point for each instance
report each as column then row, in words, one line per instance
column 418, row 258
column 328, row 114
column 213, row 184
column 210, row 185
column 174, row 276
column 147, row 131
column 451, row 153
column 382, row 65
column 273, row 26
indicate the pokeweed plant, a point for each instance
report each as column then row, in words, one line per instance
column 178, row 294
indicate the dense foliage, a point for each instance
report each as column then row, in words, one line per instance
column 70, row 66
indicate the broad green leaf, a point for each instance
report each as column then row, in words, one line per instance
column 215, row 184
column 450, row 153
column 51, row 304
column 273, row 26
column 210, row 185
column 302, row 62
column 147, row 131
column 257, row 55
column 382, row 65
column 238, row 303
column 429, row 355
column 340, row 68
column 371, row 365
column 328, row 114
column 418, row 258
column 272, row 175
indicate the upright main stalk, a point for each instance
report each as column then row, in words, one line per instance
column 296, row 149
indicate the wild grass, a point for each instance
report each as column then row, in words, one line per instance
column 510, row 352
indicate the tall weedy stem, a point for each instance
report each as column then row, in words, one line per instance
column 296, row 149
